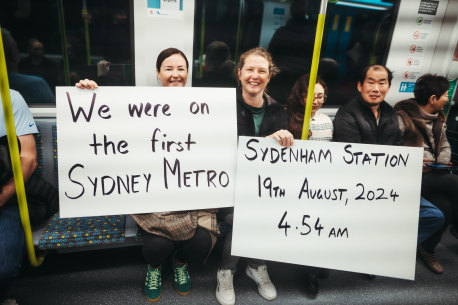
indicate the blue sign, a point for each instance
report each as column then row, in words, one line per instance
column 406, row 87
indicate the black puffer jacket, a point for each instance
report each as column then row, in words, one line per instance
column 355, row 123
column 275, row 118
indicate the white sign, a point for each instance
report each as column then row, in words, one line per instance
column 125, row 150
column 156, row 30
column 165, row 8
column 414, row 44
column 352, row 207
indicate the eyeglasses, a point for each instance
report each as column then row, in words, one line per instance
column 320, row 98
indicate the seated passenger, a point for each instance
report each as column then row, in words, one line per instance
column 257, row 115
column 185, row 236
column 369, row 119
column 34, row 89
column 11, row 232
column 320, row 129
column 422, row 122
column 320, row 124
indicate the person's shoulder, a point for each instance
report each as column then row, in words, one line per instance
column 348, row 107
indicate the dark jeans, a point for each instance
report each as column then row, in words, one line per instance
column 442, row 190
column 431, row 220
column 11, row 247
column 227, row 260
column 156, row 249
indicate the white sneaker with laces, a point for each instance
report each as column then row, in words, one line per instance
column 225, row 289
column 261, row 277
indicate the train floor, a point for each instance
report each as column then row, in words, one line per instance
column 116, row 276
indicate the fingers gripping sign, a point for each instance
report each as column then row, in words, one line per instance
column 86, row 84
column 284, row 137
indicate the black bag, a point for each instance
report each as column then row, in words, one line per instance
column 42, row 197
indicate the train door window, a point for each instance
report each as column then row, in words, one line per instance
column 58, row 42
column 357, row 33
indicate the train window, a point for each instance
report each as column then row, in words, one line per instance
column 96, row 36
column 357, row 34
column 98, row 40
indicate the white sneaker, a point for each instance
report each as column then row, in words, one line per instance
column 261, row 277
column 225, row 289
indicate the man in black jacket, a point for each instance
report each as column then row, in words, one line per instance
column 368, row 118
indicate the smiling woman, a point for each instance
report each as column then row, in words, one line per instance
column 257, row 115
column 172, row 68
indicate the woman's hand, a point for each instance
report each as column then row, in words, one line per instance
column 86, row 84
column 284, row 137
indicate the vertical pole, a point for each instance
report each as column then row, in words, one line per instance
column 63, row 40
column 86, row 33
column 314, row 69
column 202, row 39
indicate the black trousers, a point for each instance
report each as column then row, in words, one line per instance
column 441, row 189
column 228, row 261
column 157, row 249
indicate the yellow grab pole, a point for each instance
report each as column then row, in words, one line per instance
column 314, row 69
column 15, row 160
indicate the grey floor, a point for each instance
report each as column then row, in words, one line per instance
column 116, row 276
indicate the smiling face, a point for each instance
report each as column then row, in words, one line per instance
column 375, row 86
column 254, row 75
column 173, row 71
column 318, row 99
column 439, row 103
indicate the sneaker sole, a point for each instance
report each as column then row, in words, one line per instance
column 154, row 300
column 261, row 292
column 182, row 293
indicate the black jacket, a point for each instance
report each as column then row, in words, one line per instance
column 355, row 123
column 274, row 118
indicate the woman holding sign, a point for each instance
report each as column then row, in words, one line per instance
column 320, row 130
column 182, row 235
column 257, row 115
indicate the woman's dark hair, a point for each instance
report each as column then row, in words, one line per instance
column 296, row 104
column 166, row 54
column 428, row 85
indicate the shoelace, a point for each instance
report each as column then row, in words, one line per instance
column 153, row 279
column 182, row 274
column 433, row 259
column 261, row 276
column 227, row 283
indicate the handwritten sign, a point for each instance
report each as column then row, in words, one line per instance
column 129, row 150
column 352, row 207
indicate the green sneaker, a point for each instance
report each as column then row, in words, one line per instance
column 153, row 284
column 181, row 278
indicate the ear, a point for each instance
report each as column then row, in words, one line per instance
column 432, row 99
column 360, row 87
column 238, row 73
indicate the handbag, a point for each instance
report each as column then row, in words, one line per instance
column 42, row 197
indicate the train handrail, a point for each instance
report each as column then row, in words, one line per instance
column 314, row 69
column 15, row 160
